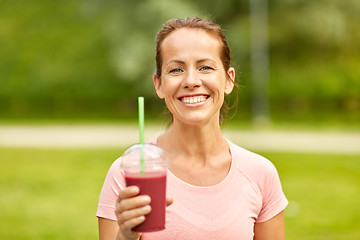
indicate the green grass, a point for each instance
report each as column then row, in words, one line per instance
column 324, row 193
column 53, row 193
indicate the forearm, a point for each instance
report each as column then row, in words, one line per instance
column 273, row 229
column 120, row 236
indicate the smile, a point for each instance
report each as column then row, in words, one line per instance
column 193, row 99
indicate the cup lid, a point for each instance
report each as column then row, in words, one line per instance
column 154, row 157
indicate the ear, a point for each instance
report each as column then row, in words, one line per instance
column 158, row 87
column 230, row 80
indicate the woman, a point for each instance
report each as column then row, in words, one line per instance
column 219, row 190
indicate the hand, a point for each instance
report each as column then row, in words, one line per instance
column 131, row 210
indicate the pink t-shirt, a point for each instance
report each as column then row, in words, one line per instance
column 250, row 193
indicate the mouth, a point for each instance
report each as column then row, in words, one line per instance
column 194, row 99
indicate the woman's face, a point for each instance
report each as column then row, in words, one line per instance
column 193, row 79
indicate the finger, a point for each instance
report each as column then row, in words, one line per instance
column 127, row 227
column 128, row 192
column 169, row 201
column 133, row 214
column 132, row 203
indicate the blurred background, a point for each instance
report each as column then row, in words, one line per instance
column 84, row 63
column 91, row 59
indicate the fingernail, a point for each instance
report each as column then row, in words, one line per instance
column 146, row 208
column 146, row 199
column 141, row 218
column 134, row 189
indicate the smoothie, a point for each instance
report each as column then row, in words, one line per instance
column 152, row 184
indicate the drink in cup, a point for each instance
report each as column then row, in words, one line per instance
column 145, row 166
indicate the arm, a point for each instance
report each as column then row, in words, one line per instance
column 130, row 211
column 108, row 229
column 273, row 229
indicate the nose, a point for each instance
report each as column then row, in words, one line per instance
column 192, row 79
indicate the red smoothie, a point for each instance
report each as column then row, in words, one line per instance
column 152, row 184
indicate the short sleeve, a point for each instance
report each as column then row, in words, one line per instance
column 114, row 181
column 273, row 197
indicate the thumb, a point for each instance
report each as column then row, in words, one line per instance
column 169, row 201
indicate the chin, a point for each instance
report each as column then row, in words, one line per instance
column 196, row 120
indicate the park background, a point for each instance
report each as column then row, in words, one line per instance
column 76, row 63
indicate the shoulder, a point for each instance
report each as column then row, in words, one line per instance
column 249, row 161
column 115, row 166
column 257, row 169
column 263, row 177
column 115, row 177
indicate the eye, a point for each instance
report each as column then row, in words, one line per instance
column 175, row 70
column 206, row 68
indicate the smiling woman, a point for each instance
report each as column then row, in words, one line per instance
column 192, row 70
column 217, row 189
column 213, row 31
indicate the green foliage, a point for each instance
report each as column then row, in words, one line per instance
column 314, row 55
column 93, row 58
column 53, row 193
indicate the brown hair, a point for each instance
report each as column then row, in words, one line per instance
column 196, row 23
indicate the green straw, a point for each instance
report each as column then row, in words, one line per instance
column 141, row 133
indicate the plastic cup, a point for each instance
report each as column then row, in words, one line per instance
column 150, row 176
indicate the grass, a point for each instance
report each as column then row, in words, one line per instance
column 323, row 191
column 53, row 193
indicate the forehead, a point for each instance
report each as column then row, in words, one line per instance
column 187, row 40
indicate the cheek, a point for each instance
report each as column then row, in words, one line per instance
column 217, row 85
column 170, row 85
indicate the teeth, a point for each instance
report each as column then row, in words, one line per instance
column 191, row 100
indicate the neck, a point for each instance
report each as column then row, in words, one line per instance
column 198, row 142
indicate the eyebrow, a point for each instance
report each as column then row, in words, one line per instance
column 175, row 61
column 183, row 62
column 205, row 59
